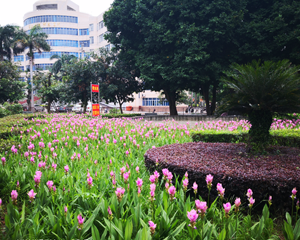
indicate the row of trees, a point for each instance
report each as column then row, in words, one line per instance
column 177, row 45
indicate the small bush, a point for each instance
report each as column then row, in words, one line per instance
column 114, row 111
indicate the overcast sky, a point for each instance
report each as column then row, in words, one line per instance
column 12, row 11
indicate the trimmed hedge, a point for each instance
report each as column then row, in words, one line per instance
column 127, row 115
column 274, row 175
column 289, row 137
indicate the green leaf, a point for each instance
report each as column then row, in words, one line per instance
column 23, row 213
column 288, row 218
column 90, row 221
column 178, row 229
column 288, row 230
column 297, row 230
column 222, row 235
column 95, row 233
column 108, row 223
column 128, row 230
column 145, row 234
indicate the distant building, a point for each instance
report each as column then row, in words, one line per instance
column 75, row 33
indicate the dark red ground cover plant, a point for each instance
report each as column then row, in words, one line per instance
column 275, row 174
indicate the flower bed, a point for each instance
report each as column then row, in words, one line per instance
column 273, row 175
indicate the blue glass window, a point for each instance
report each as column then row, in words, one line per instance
column 62, row 43
column 155, row 102
column 50, row 54
column 64, row 31
column 84, row 31
column 21, row 68
column 19, row 58
column 91, row 40
column 43, row 66
column 50, row 18
column 85, row 43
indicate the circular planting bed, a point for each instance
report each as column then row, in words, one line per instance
column 275, row 174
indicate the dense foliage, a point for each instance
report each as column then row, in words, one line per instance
column 77, row 177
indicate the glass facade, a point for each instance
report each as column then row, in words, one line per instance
column 62, row 43
column 64, row 31
column 50, row 54
column 85, row 43
column 51, row 18
column 19, row 58
column 84, row 31
column 91, row 40
column 21, row 68
column 43, row 66
column 100, row 25
column 91, row 27
column 101, row 38
column 155, row 102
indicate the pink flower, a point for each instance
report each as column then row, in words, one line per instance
column 123, row 169
column 270, row 200
column 139, row 182
column 14, row 195
column 192, row 216
column 237, row 204
column 186, row 175
column 152, row 179
column 0, row 203
column 54, row 166
column 294, row 192
column 66, row 169
column 66, row 209
column 195, row 187
column 50, row 184
column 80, row 222
column 90, row 182
column 156, row 175
column 170, row 176
column 251, row 202
column 209, row 179
column 126, row 176
column 167, row 186
column 249, row 193
column 220, row 190
column 165, row 173
column 137, row 169
column 31, row 194
column 120, row 192
column 3, row 161
column 152, row 227
column 126, row 152
column 172, row 191
column 227, row 207
column 185, row 184
column 202, row 207
column 109, row 211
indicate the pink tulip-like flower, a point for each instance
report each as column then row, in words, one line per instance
column 201, row 207
column 123, row 169
column 270, row 200
column 227, row 207
column 139, row 182
column 249, row 193
column 120, row 193
column 192, row 216
column 3, row 161
column 170, row 176
column 127, row 152
column 251, row 202
column 80, row 222
column 165, row 173
column 220, row 190
column 66, row 169
column 50, row 185
column 152, row 227
column 65, row 209
column 152, row 179
column 126, row 177
column 237, row 204
column 31, row 195
column 156, row 175
column 0, row 203
column 185, row 184
column 54, row 166
column 195, row 187
column 153, row 187
column 294, row 192
column 90, row 182
column 167, row 185
column 14, row 196
column 209, row 178
column 137, row 169
column 172, row 191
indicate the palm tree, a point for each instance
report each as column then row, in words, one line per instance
column 61, row 60
column 35, row 40
column 8, row 36
column 259, row 90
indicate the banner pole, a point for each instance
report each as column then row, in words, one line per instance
column 92, row 99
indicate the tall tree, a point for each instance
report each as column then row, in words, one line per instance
column 119, row 80
column 35, row 41
column 61, row 60
column 11, row 88
column 8, row 36
column 78, row 75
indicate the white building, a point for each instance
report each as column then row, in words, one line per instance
column 75, row 33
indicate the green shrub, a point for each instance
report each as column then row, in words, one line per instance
column 115, row 111
column 14, row 108
column 288, row 137
column 119, row 115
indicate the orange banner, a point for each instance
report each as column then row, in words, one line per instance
column 96, row 110
column 95, row 88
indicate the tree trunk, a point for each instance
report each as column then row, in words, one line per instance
column 171, row 97
column 214, row 99
column 48, row 106
column 205, row 90
column 49, row 99
column 120, row 104
column 31, row 81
